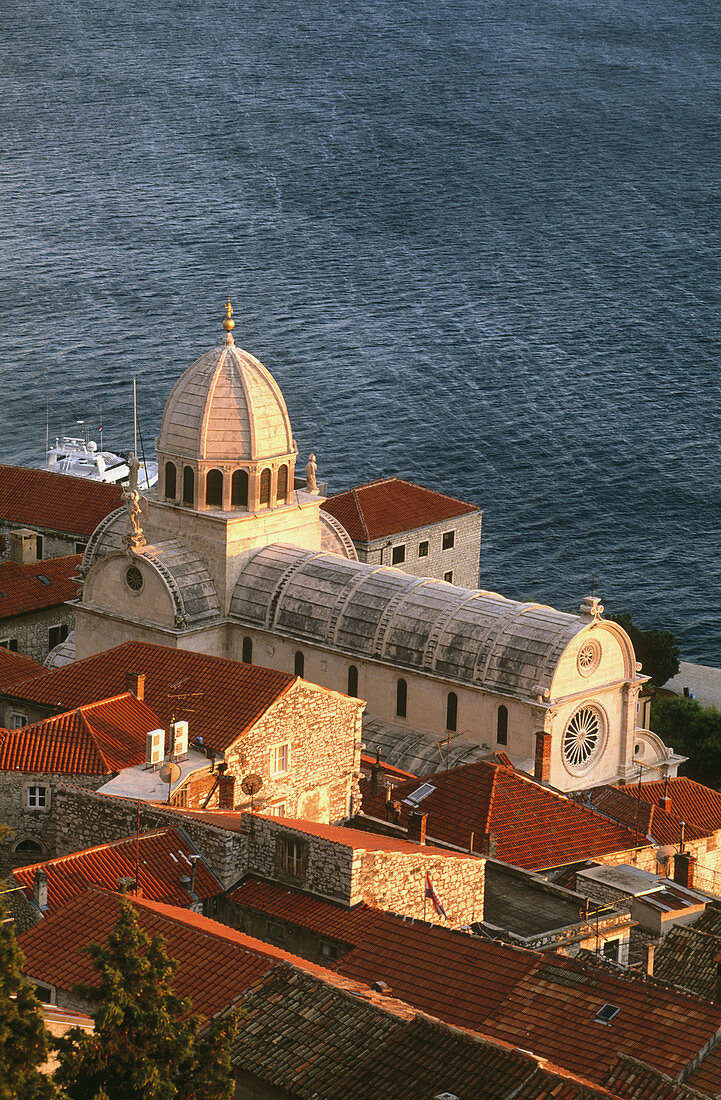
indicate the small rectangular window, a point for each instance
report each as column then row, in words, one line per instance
column 17, row 721
column 40, row 546
column 423, row 550
column 276, row 932
column 449, row 540
column 37, row 797
column 9, row 643
column 328, row 950
column 399, row 555
column 56, row 635
column 280, row 759
column 448, row 576
column 44, row 993
column 292, row 858
column 278, row 810
column 80, row 547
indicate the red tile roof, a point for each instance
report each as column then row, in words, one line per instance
column 160, row 859
column 22, row 588
column 634, row 1080
column 535, row 828
column 97, row 739
column 16, row 667
column 37, row 498
column 222, row 699
column 546, row 1004
column 640, row 816
column 389, row 506
column 690, row 802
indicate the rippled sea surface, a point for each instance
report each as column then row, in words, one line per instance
column 476, row 242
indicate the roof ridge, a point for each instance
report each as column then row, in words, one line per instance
column 359, row 510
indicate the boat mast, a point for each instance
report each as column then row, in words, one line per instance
column 135, row 420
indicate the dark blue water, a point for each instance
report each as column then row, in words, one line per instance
column 477, row 243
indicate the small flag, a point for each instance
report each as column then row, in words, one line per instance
column 431, row 893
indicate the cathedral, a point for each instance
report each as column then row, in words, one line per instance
column 232, row 554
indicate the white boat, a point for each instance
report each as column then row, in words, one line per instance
column 81, row 457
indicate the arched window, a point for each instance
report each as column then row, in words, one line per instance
column 188, row 486
column 281, row 491
column 353, row 680
column 170, row 481
column 247, row 651
column 26, row 852
column 299, row 663
column 401, row 698
column 265, row 487
column 214, row 489
column 239, row 489
column 452, row 711
column 502, row 726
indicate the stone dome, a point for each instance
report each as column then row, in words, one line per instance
column 226, row 407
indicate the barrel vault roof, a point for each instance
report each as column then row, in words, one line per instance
column 382, row 613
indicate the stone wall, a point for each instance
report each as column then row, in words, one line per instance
column 85, row 819
column 56, row 544
column 31, row 631
column 462, row 560
column 36, row 825
column 323, row 730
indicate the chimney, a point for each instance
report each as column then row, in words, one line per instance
column 542, row 770
column 649, row 951
column 23, row 546
column 684, row 866
column 226, row 792
column 135, row 682
column 40, row 889
column 417, row 824
column 382, row 987
column 126, row 884
column 665, row 802
column 377, row 775
column 488, row 847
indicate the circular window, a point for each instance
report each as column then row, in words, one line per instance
column 589, row 658
column 582, row 738
column 134, row 578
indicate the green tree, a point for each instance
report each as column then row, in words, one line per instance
column 146, row 1042
column 657, row 650
column 23, row 1039
column 692, row 730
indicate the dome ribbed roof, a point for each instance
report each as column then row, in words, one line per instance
column 226, row 407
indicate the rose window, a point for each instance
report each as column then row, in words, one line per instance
column 582, row 737
column 134, row 578
column 589, row 657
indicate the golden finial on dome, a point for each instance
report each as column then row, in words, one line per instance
column 229, row 323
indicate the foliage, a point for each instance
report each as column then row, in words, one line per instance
column 692, row 730
column 657, row 650
column 23, row 1038
column 146, row 1042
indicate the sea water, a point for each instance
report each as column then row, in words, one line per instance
column 477, row 243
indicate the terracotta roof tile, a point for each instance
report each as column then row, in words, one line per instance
column 97, row 739
column 706, row 1077
column 546, row 1004
column 389, row 506
column 641, row 816
column 534, row 827
column 23, row 589
column 690, row 802
column 16, row 667
column 161, row 860
column 38, row 498
column 222, row 698
column 634, row 1080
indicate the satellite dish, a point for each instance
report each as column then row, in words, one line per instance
column 169, row 772
column 251, row 784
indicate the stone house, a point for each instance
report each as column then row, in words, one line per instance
column 56, row 513
column 301, row 740
column 417, row 530
column 35, row 615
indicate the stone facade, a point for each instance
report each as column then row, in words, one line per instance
column 37, row 632
column 27, row 807
column 423, row 553
column 50, row 543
